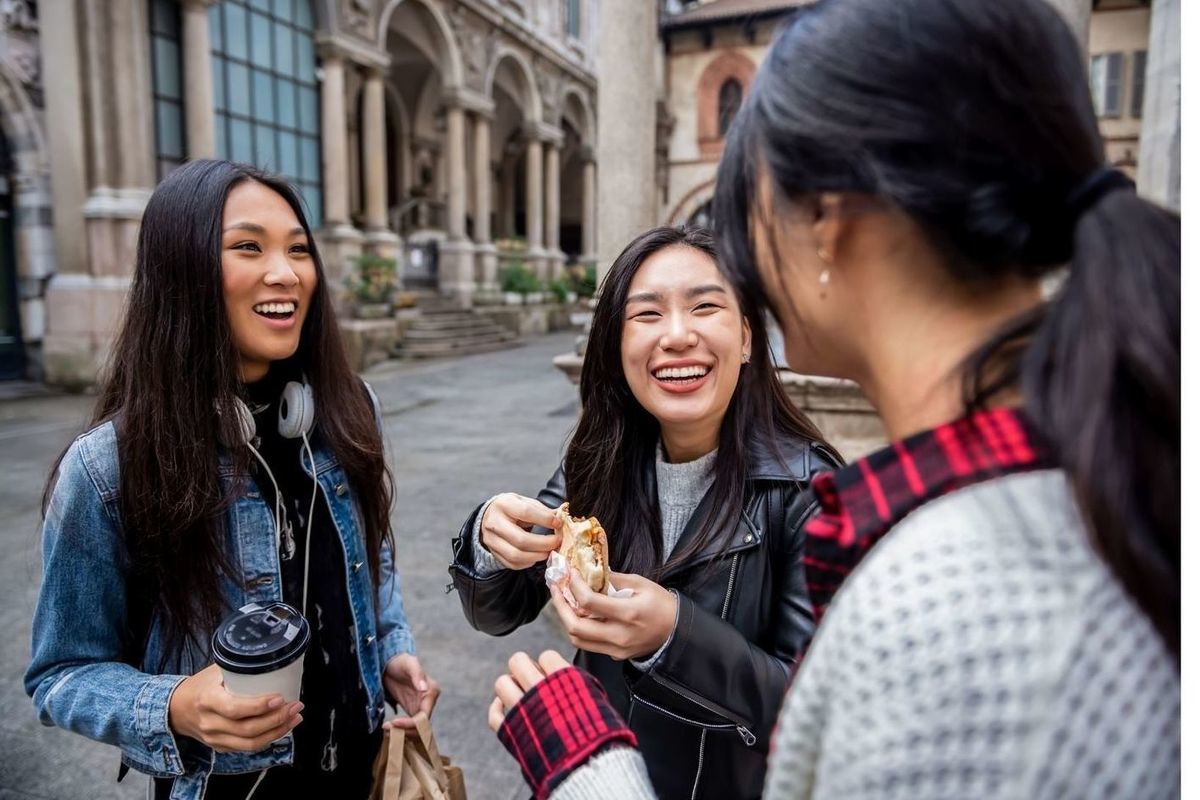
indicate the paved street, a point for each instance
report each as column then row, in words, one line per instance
column 459, row 432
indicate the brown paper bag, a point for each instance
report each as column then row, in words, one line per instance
column 409, row 767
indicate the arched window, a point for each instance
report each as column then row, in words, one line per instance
column 167, row 67
column 265, row 90
column 729, row 100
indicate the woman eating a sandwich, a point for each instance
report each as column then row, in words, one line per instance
column 687, row 476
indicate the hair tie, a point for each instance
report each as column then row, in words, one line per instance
column 1102, row 181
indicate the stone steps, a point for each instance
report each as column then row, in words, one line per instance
column 444, row 330
column 443, row 350
column 448, row 325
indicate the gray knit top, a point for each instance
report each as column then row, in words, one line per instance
column 981, row 649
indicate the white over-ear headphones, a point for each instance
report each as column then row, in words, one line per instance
column 297, row 414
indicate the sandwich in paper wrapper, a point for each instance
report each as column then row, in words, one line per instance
column 584, row 548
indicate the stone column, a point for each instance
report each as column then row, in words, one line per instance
column 1158, row 157
column 333, row 139
column 456, row 269
column 554, row 255
column 626, row 124
column 589, row 209
column 483, row 203
column 134, row 121
column 533, row 204
column 339, row 239
column 379, row 239
column 83, row 308
column 197, row 80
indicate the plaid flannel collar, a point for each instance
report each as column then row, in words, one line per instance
column 863, row 500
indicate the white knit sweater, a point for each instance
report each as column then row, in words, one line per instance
column 982, row 649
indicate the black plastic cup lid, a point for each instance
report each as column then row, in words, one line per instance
column 260, row 638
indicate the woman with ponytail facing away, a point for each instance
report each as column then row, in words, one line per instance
column 997, row 591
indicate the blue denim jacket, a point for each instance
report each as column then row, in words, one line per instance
column 77, row 678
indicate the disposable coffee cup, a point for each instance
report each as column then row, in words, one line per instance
column 260, row 650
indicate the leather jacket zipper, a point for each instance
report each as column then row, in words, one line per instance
column 747, row 735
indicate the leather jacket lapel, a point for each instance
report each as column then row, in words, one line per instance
column 747, row 535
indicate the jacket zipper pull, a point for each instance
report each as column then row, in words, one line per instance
column 747, row 737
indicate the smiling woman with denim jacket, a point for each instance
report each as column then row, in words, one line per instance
column 155, row 530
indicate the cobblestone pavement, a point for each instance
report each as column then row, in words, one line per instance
column 459, row 431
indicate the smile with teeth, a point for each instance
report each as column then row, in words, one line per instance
column 275, row 310
column 681, row 374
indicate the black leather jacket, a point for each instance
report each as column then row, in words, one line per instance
column 704, row 712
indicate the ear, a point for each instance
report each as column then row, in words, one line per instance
column 829, row 225
column 746, row 337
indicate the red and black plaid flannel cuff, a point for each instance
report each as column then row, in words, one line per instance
column 558, row 725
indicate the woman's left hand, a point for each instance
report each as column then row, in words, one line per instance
column 523, row 674
column 621, row 627
column 408, row 684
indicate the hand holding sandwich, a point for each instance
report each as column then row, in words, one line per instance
column 505, row 531
column 621, row 627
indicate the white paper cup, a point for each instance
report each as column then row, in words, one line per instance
column 260, row 650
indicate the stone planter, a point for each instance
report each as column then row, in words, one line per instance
column 368, row 341
column 372, row 310
column 513, row 299
column 839, row 410
column 535, row 298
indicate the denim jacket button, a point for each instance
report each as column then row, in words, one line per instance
column 265, row 580
column 356, row 566
column 340, row 490
column 368, row 639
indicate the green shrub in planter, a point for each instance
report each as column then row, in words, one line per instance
column 582, row 279
column 372, row 280
column 560, row 288
column 516, row 277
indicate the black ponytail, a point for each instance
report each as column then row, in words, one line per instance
column 975, row 119
column 1101, row 378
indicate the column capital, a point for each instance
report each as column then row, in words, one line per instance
column 542, row 132
column 376, row 72
column 347, row 48
column 467, row 100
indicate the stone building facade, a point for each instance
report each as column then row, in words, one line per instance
column 423, row 129
column 1118, row 46
column 711, row 49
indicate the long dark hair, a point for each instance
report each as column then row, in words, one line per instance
column 170, row 387
column 975, row 119
column 609, row 464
